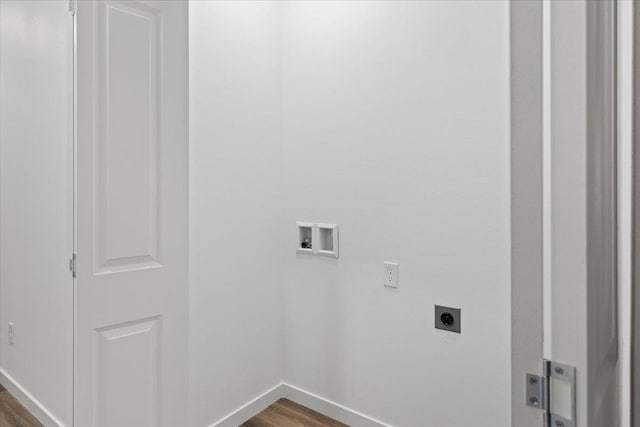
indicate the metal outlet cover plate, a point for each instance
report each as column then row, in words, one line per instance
column 448, row 319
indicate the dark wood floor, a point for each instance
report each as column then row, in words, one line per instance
column 285, row 413
column 13, row 414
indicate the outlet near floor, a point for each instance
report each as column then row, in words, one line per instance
column 10, row 332
column 391, row 274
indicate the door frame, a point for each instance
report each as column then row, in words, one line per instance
column 635, row 248
column 530, row 89
column 526, row 35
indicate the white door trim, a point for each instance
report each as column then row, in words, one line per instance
column 635, row 251
column 526, row 206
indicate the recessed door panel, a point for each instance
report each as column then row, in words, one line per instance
column 128, row 104
column 127, row 374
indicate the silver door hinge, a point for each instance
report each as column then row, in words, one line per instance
column 72, row 265
column 539, row 392
column 72, row 7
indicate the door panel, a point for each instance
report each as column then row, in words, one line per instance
column 121, row 352
column 127, row 196
column 132, row 218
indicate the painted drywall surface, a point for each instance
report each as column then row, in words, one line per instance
column 396, row 127
column 236, row 333
column 36, row 288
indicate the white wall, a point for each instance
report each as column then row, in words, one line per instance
column 236, row 333
column 36, row 288
column 396, row 127
column 388, row 118
column 392, row 120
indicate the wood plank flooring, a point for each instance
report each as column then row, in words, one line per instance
column 13, row 414
column 285, row 413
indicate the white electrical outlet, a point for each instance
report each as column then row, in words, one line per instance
column 11, row 333
column 391, row 274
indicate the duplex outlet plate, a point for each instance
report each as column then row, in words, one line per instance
column 10, row 328
column 391, row 274
column 448, row 319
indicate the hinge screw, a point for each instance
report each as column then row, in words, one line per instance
column 559, row 424
column 533, row 401
column 559, row 371
column 533, row 380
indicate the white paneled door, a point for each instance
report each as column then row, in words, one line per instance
column 131, row 213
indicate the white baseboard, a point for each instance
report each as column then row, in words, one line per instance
column 329, row 408
column 302, row 397
column 254, row 407
column 28, row 401
column 237, row 417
